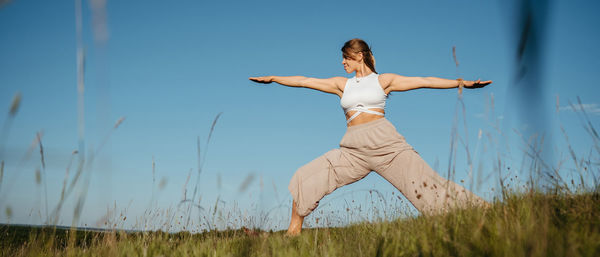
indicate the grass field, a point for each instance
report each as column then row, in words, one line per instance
column 523, row 224
column 556, row 220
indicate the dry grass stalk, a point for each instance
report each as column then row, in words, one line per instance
column 162, row 183
column 39, row 137
column 1, row 172
column 38, row 176
column 201, row 161
column 119, row 122
column 246, row 183
column 82, row 167
column 184, row 189
column 14, row 107
column 62, row 192
column 8, row 212
column 460, row 85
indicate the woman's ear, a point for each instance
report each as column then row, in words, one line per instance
column 359, row 57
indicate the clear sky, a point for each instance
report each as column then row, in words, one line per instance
column 170, row 68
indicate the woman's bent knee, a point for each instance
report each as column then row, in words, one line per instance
column 309, row 184
column 320, row 177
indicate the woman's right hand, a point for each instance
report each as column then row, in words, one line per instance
column 264, row 80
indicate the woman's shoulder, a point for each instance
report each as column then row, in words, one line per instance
column 386, row 78
column 387, row 75
column 341, row 82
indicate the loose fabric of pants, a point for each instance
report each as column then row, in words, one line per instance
column 377, row 146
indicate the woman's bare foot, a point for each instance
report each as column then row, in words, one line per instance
column 294, row 230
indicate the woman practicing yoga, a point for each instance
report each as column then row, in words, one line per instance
column 371, row 142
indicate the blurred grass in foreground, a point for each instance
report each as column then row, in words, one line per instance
column 524, row 224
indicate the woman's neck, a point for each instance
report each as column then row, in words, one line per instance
column 363, row 71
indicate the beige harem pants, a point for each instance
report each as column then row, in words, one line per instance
column 377, row 146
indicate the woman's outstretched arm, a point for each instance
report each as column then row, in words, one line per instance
column 394, row 82
column 331, row 85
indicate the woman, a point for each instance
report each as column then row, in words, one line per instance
column 371, row 142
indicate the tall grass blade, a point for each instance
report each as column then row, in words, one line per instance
column 14, row 107
column 39, row 137
column 246, row 183
column 201, row 160
column 1, row 173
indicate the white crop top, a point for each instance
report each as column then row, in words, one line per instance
column 362, row 94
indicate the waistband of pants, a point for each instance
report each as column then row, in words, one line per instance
column 368, row 125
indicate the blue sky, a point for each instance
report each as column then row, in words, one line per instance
column 169, row 69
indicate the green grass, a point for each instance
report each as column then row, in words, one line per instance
column 525, row 224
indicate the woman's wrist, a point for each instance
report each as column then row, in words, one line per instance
column 461, row 84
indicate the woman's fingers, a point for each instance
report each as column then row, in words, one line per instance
column 484, row 83
column 479, row 84
column 263, row 80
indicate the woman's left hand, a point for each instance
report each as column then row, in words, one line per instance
column 263, row 80
column 477, row 83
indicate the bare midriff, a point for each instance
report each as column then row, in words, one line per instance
column 364, row 117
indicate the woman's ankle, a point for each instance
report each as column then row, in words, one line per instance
column 294, row 230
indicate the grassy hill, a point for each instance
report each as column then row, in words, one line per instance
column 530, row 224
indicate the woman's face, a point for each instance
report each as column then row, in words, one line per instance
column 351, row 62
